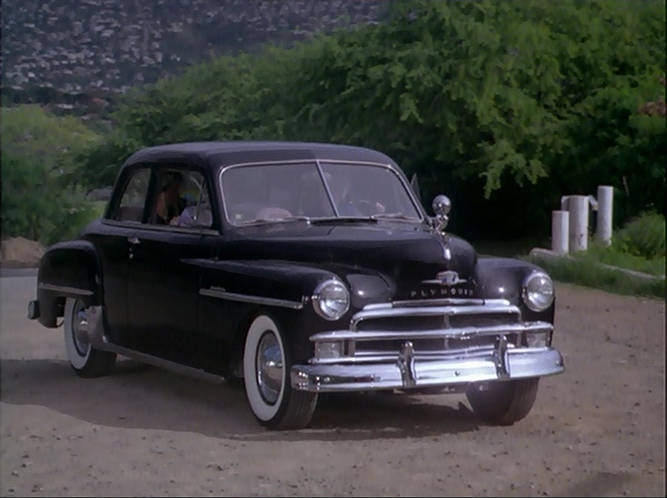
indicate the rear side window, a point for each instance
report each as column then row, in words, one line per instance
column 131, row 206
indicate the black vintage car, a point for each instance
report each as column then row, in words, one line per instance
column 300, row 268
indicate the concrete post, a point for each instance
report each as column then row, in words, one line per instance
column 560, row 223
column 605, row 214
column 578, row 208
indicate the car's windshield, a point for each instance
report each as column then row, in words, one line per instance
column 285, row 192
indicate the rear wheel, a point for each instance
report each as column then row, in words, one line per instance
column 266, row 372
column 503, row 403
column 84, row 359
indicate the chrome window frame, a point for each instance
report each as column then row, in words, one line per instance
column 318, row 164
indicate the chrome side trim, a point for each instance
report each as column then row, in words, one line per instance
column 220, row 293
column 65, row 289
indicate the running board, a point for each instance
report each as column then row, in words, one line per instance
column 160, row 362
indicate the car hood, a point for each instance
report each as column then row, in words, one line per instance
column 403, row 254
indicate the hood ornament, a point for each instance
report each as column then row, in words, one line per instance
column 446, row 278
column 441, row 208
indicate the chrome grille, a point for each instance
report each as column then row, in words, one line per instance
column 434, row 328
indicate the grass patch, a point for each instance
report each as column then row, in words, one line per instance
column 638, row 246
column 586, row 271
column 615, row 257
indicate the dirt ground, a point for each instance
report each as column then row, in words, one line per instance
column 597, row 430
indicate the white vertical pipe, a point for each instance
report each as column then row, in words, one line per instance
column 560, row 222
column 563, row 202
column 605, row 213
column 578, row 207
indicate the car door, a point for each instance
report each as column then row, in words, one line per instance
column 126, row 214
column 163, row 283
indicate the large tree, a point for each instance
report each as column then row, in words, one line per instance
column 505, row 106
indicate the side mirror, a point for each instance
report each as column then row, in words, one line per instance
column 441, row 207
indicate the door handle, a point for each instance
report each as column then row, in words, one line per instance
column 134, row 240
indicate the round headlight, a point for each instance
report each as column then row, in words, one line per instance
column 331, row 300
column 538, row 291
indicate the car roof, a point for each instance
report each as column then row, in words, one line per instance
column 216, row 154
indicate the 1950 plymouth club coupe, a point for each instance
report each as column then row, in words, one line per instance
column 300, row 268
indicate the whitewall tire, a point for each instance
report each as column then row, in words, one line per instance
column 84, row 359
column 266, row 372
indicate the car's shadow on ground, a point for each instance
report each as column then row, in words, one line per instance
column 140, row 396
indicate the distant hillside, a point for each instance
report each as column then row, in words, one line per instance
column 52, row 49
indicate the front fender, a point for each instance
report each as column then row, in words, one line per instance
column 67, row 269
column 271, row 279
column 502, row 278
column 233, row 291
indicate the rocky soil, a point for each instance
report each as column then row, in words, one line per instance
column 97, row 47
column 596, row 430
column 18, row 252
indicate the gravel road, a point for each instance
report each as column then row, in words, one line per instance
column 598, row 429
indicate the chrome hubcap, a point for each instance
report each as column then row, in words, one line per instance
column 80, row 329
column 269, row 368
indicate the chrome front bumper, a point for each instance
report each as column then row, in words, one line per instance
column 519, row 363
column 499, row 357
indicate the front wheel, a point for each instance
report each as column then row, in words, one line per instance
column 503, row 403
column 266, row 372
column 84, row 359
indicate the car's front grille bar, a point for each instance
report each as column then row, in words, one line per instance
column 449, row 307
column 448, row 333
column 382, row 337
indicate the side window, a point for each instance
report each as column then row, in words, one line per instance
column 131, row 206
column 182, row 199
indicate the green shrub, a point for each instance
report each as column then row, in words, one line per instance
column 643, row 236
column 39, row 199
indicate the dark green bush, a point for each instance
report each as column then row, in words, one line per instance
column 38, row 202
column 643, row 236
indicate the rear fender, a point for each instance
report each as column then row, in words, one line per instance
column 67, row 269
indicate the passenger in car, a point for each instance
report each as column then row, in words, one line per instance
column 169, row 203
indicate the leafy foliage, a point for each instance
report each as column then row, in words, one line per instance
column 643, row 236
column 506, row 106
column 37, row 153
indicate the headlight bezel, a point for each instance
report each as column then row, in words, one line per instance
column 320, row 298
column 527, row 294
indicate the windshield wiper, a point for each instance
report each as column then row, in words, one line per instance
column 286, row 219
column 395, row 216
column 342, row 219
